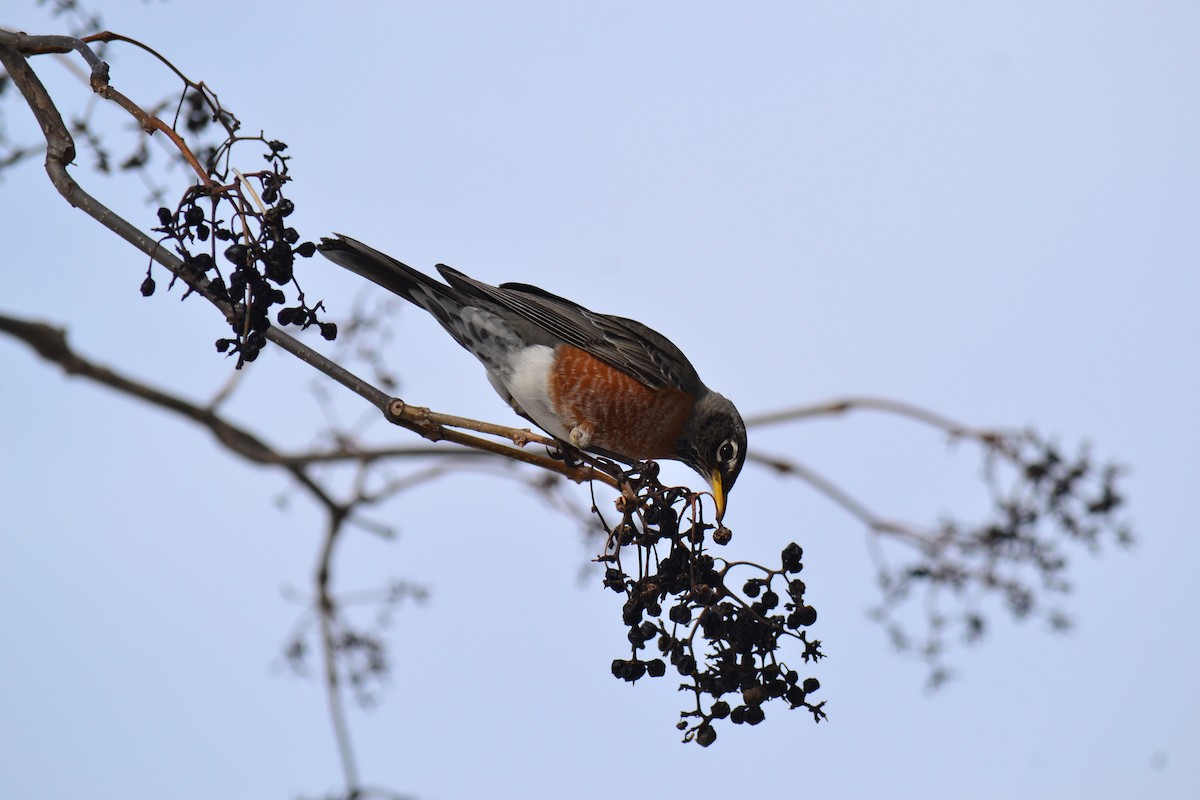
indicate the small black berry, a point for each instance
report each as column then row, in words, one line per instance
column 236, row 254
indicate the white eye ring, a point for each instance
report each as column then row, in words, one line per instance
column 727, row 452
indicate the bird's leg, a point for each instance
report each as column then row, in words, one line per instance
column 566, row 454
column 572, row 456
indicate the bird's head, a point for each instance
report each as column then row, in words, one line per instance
column 714, row 444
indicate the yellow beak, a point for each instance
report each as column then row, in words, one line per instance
column 718, row 491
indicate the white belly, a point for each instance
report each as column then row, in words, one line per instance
column 528, row 385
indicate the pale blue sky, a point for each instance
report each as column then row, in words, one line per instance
column 990, row 209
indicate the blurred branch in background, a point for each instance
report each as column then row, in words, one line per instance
column 1042, row 501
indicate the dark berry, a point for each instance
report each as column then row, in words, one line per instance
column 202, row 262
column 614, row 579
column 217, row 289
column 236, row 254
column 681, row 614
column 804, row 615
column 791, row 558
column 636, row 638
column 279, row 271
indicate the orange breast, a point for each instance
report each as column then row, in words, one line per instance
column 624, row 416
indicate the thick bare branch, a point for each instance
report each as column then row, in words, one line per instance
column 51, row 344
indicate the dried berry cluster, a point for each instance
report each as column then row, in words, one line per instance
column 679, row 601
column 242, row 223
column 1042, row 500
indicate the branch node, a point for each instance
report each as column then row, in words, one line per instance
column 396, row 410
column 99, row 78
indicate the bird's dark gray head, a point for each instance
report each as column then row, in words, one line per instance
column 714, row 444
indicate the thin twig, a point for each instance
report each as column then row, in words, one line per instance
column 846, row 404
column 838, row 495
column 327, row 610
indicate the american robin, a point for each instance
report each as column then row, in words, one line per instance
column 605, row 384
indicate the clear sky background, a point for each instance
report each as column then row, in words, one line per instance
column 991, row 209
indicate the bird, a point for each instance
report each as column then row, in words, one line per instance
column 601, row 383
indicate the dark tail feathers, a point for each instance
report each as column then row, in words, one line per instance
column 380, row 268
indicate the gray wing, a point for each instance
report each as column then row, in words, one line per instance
column 628, row 345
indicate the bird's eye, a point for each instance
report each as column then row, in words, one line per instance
column 727, row 452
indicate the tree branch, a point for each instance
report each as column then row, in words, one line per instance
column 51, row 344
column 847, row 404
column 60, row 153
column 840, row 496
column 327, row 611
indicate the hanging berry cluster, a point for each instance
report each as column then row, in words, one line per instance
column 680, row 601
column 233, row 235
